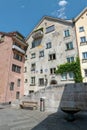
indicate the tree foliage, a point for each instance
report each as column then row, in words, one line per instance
column 71, row 67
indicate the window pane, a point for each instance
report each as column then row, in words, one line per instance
column 16, row 68
column 66, row 33
column 36, row 43
column 71, row 75
column 64, row 76
column 83, row 39
column 33, row 55
column 52, row 56
column 81, row 29
column 18, row 82
column 33, row 80
column 41, row 82
column 48, row 45
column 85, row 71
column 41, row 54
column 50, row 29
column 69, row 45
column 12, row 86
column 70, row 59
column 84, row 55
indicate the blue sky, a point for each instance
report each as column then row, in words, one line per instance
column 24, row 15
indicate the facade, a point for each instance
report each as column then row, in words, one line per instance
column 12, row 51
column 51, row 43
column 81, row 33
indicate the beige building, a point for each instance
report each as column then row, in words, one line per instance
column 81, row 33
column 51, row 43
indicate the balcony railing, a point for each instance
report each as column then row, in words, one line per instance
column 37, row 34
column 15, row 47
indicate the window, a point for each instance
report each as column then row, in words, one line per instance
column 50, row 29
column 85, row 71
column 16, row 68
column 66, row 33
column 69, row 46
column 33, row 67
column 41, row 71
column 82, row 39
column 81, row 29
column 33, row 55
column 17, row 57
column 12, row 86
column 31, row 91
column 36, row 43
column 26, row 80
column 84, row 55
column 32, row 80
column 48, row 45
column 17, row 95
column 52, row 56
column 41, row 54
column 71, row 75
column 52, row 70
column 70, row 59
column 64, row 76
column 18, row 82
column 25, row 69
column 41, row 82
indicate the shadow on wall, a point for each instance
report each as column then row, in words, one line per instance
column 70, row 96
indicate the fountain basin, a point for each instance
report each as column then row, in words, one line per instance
column 70, row 111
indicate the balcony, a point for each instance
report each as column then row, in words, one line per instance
column 15, row 47
column 37, row 34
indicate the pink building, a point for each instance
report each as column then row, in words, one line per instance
column 12, row 57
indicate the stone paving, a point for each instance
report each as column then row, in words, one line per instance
column 25, row 119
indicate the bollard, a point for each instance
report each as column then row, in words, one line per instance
column 42, row 104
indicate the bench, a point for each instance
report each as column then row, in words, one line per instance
column 29, row 104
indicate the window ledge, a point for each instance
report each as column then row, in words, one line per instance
column 70, row 79
column 84, row 60
column 83, row 43
column 69, row 49
column 67, row 37
column 32, row 84
column 63, row 79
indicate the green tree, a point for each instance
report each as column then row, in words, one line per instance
column 71, row 67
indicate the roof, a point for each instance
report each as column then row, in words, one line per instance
column 84, row 10
column 15, row 35
column 51, row 19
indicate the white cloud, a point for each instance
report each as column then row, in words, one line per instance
column 60, row 13
column 62, row 3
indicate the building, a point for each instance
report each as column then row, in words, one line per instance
column 81, row 34
column 12, row 57
column 51, row 43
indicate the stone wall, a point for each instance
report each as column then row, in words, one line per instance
column 68, row 95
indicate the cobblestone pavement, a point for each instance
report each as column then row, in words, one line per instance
column 25, row 119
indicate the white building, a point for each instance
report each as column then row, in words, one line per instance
column 51, row 43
